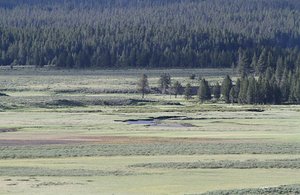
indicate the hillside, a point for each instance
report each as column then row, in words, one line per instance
column 149, row 33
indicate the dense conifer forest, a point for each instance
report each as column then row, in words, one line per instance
column 252, row 35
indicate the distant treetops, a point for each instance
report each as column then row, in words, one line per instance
column 267, row 88
column 253, row 35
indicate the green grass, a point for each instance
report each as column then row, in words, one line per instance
column 66, row 131
column 137, row 180
column 285, row 189
column 227, row 164
column 59, row 151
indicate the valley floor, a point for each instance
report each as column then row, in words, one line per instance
column 71, row 133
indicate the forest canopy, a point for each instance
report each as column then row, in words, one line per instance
column 150, row 33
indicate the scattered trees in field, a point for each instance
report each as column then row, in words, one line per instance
column 270, row 87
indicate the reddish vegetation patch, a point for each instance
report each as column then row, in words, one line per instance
column 115, row 140
column 15, row 142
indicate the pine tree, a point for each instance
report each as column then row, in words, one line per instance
column 217, row 91
column 297, row 91
column 253, row 64
column 237, row 87
column 143, row 85
column 268, row 92
column 242, row 96
column 69, row 61
column 296, row 85
column 262, row 62
column 297, row 63
column 293, row 84
column 269, row 74
column 177, row 88
column 226, row 87
column 279, row 69
column 277, row 97
column 251, row 91
column 260, row 91
column 188, row 91
column 232, row 95
column 243, row 64
column 204, row 91
column 285, row 86
column 164, row 82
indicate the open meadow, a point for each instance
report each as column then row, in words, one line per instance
column 75, row 132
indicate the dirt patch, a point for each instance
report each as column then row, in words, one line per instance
column 7, row 130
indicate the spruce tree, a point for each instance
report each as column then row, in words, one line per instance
column 251, row 91
column 217, row 91
column 188, row 91
column 232, row 95
column 164, row 82
column 262, row 62
column 285, row 86
column 242, row 96
column 253, row 64
column 204, row 91
column 176, row 88
column 279, row 69
column 143, row 85
column 260, row 91
column 269, row 74
column 277, row 97
column 268, row 92
column 297, row 92
column 226, row 87
column 243, row 64
column 237, row 87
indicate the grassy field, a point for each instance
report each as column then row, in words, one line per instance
column 74, row 132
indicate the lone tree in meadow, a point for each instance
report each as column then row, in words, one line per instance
column 164, row 82
column 176, row 88
column 143, row 85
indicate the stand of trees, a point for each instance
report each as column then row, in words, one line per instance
column 267, row 88
column 251, row 35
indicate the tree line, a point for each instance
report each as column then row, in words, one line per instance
column 267, row 88
column 249, row 34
